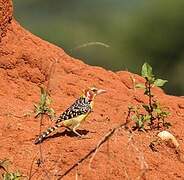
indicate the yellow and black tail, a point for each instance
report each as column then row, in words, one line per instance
column 43, row 135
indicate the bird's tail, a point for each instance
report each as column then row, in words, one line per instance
column 43, row 135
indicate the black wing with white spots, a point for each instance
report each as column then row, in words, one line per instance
column 79, row 107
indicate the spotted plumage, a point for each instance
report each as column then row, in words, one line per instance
column 75, row 114
column 79, row 107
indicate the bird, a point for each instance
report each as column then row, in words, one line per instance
column 75, row 114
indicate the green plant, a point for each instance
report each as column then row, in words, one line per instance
column 43, row 105
column 139, row 118
column 154, row 112
column 43, row 108
column 8, row 175
column 11, row 176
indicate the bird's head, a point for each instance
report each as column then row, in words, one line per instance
column 91, row 93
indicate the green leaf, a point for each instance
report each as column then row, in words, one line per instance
column 147, row 71
column 139, row 85
column 48, row 100
column 160, row 82
column 50, row 112
column 140, row 124
column 158, row 111
column 134, row 117
column 151, row 80
column 147, row 118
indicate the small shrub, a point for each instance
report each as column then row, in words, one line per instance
column 155, row 114
column 8, row 175
column 43, row 105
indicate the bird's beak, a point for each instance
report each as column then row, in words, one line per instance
column 101, row 91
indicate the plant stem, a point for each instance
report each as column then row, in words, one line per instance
column 150, row 98
column 40, row 148
column 148, row 88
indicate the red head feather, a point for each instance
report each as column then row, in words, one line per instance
column 90, row 93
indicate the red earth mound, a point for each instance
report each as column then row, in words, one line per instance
column 24, row 65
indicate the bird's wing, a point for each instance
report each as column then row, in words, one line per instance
column 79, row 107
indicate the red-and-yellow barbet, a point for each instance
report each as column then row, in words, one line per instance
column 75, row 114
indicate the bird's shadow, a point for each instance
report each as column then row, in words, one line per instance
column 68, row 133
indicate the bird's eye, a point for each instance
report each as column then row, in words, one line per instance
column 94, row 90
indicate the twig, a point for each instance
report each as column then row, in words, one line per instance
column 40, row 160
column 31, row 168
column 32, row 174
column 95, row 149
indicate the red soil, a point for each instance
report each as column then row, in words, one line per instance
column 24, row 63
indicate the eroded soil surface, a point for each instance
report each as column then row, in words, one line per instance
column 24, row 66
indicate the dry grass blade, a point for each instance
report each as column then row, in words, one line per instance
column 50, row 73
column 90, row 44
